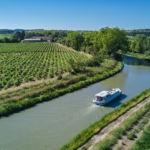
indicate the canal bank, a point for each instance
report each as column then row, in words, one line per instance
column 52, row 124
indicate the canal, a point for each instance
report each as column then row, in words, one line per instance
column 49, row 125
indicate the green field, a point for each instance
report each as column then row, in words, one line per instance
column 4, row 35
column 23, row 62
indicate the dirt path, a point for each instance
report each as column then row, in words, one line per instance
column 88, row 55
column 31, row 84
column 90, row 145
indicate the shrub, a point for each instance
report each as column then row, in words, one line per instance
column 16, row 82
column 30, row 78
column 24, row 87
column 131, row 135
column 59, row 77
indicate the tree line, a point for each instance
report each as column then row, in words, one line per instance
column 136, row 32
column 6, row 31
column 140, row 44
column 15, row 37
column 103, row 43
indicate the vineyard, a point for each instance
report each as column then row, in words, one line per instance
column 23, row 62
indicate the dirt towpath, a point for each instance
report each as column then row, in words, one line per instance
column 90, row 145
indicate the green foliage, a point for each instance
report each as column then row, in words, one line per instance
column 147, row 53
column 133, row 45
column 138, row 47
column 32, row 98
column 28, row 61
column 143, row 142
column 131, row 136
column 112, row 40
column 76, row 40
column 59, row 77
column 141, row 44
column 107, row 41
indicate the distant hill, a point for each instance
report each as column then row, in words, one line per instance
column 26, row 30
column 9, row 31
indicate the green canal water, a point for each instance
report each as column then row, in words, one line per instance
column 49, row 125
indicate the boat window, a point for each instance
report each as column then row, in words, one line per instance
column 99, row 98
column 107, row 96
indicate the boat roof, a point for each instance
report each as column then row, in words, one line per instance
column 102, row 94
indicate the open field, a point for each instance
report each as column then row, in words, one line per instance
column 4, row 35
column 24, row 62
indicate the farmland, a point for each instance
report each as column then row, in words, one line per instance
column 4, row 35
column 23, row 62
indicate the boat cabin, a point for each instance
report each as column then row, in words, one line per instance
column 102, row 95
column 105, row 97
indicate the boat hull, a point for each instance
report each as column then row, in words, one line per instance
column 118, row 94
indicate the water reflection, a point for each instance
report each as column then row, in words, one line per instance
column 135, row 61
column 117, row 81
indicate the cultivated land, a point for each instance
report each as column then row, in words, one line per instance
column 36, row 72
column 2, row 36
column 24, row 62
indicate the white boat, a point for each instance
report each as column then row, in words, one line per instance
column 106, row 97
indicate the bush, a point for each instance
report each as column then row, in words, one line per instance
column 131, row 136
column 147, row 53
column 143, row 142
column 30, row 78
column 59, row 77
column 16, row 82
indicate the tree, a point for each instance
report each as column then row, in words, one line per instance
column 111, row 40
column 140, row 38
column 76, row 40
column 22, row 35
column 138, row 47
column 6, row 40
column 133, row 44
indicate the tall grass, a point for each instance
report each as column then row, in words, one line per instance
column 94, row 128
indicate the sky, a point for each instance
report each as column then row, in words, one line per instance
column 74, row 14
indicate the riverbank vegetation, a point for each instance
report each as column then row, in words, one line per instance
column 94, row 128
column 105, row 42
column 15, row 100
column 128, row 130
column 138, row 47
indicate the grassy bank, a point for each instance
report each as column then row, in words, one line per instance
column 137, row 55
column 137, row 118
column 94, row 128
column 48, row 93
